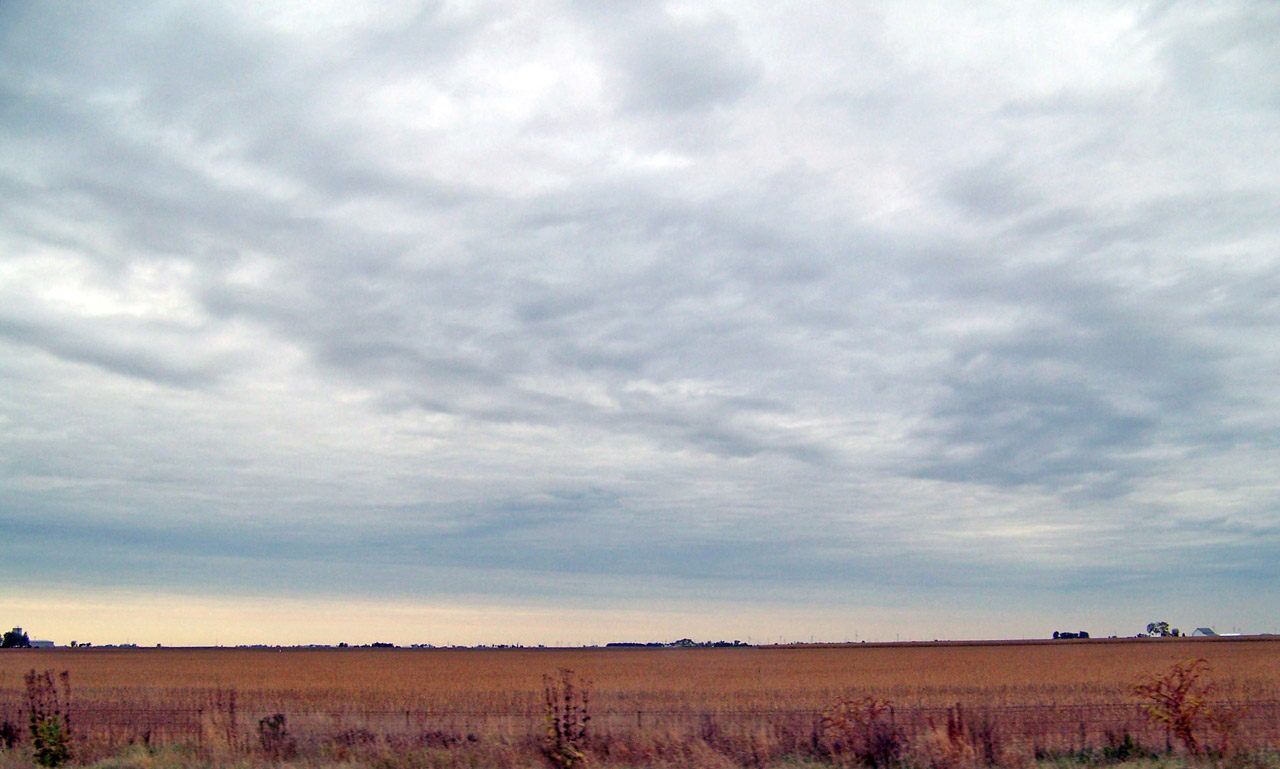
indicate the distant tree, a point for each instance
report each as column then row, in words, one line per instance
column 1160, row 629
column 15, row 640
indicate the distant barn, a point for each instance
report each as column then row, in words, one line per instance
column 1202, row 632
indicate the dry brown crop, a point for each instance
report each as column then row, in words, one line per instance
column 651, row 705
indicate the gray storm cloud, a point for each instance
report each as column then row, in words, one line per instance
column 591, row 297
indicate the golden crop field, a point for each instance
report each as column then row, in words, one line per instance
column 1056, row 694
column 787, row 677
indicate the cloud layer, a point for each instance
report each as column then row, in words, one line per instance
column 627, row 304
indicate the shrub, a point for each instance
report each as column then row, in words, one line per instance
column 273, row 736
column 864, row 730
column 1179, row 699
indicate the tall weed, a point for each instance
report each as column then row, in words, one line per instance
column 565, row 702
column 1179, row 698
column 49, row 721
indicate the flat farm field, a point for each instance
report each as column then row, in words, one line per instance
column 1036, row 696
column 704, row 679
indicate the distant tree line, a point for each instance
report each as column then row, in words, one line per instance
column 683, row 643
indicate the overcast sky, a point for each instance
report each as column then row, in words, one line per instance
column 589, row 321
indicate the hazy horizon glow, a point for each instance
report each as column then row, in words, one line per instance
column 479, row 322
column 159, row 617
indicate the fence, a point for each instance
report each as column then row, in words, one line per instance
column 1039, row 728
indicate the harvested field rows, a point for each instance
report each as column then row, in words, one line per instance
column 1033, row 696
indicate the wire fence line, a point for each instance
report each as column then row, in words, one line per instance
column 1047, row 726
